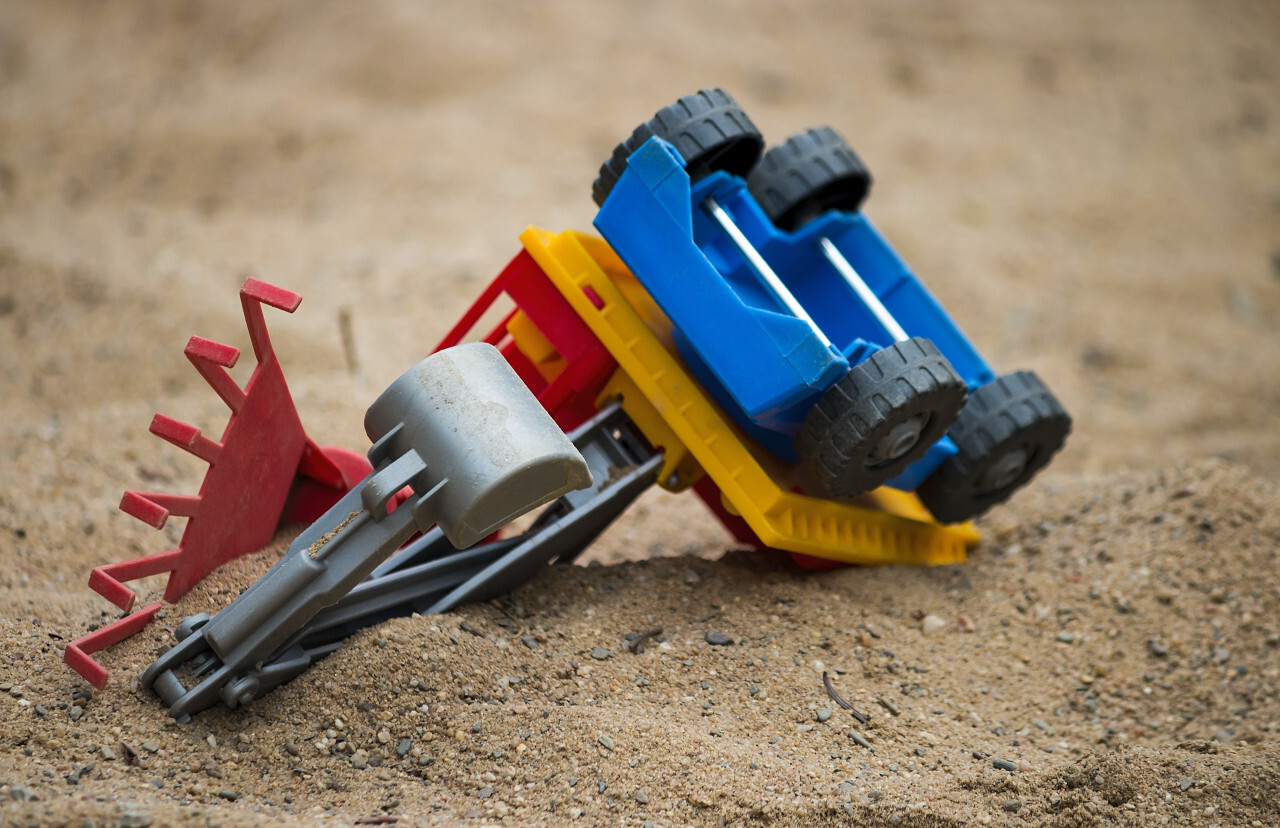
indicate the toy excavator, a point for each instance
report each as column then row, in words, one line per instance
column 741, row 330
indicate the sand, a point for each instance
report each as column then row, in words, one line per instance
column 1090, row 188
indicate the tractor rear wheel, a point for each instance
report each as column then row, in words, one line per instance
column 807, row 175
column 708, row 128
column 1008, row 431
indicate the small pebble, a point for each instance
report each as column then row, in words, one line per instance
column 150, row 747
column 230, row 796
column 717, row 638
column 1012, row 805
column 529, row 641
column 692, row 578
column 824, row 714
column 404, row 746
column 1004, row 765
column 20, row 794
column 107, row 753
column 601, row 653
column 1064, row 637
column 642, row 797
column 74, row 777
column 485, row 792
column 931, row 624
column 601, row 787
column 131, row 818
column 1186, row 783
column 606, row 742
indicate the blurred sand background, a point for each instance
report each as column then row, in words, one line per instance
column 1091, row 188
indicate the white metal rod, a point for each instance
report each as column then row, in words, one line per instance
column 840, row 263
column 761, row 267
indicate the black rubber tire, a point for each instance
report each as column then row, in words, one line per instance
column 1008, row 431
column 880, row 417
column 708, row 128
column 809, row 174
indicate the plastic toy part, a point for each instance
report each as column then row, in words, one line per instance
column 712, row 246
column 796, row 316
column 79, row 653
column 672, row 410
column 265, row 471
column 1007, row 432
column 464, row 433
column 430, row 576
column 807, row 175
column 552, row 350
column 880, row 417
column 707, row 128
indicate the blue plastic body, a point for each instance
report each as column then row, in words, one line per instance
column 763, row 365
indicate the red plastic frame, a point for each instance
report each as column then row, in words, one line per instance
column 263, row 473
column 570, row 396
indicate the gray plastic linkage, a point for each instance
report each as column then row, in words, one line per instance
column 463, row 433
column 430, row 576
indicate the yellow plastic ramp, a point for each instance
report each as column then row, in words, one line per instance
column 895, row 529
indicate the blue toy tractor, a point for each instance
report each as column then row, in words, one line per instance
column 804, row 324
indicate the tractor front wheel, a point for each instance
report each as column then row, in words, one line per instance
column 880, row 417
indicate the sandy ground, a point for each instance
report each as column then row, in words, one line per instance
column 1091, row 189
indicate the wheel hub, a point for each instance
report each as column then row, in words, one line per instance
column 1005, row 471
column 898, row 441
